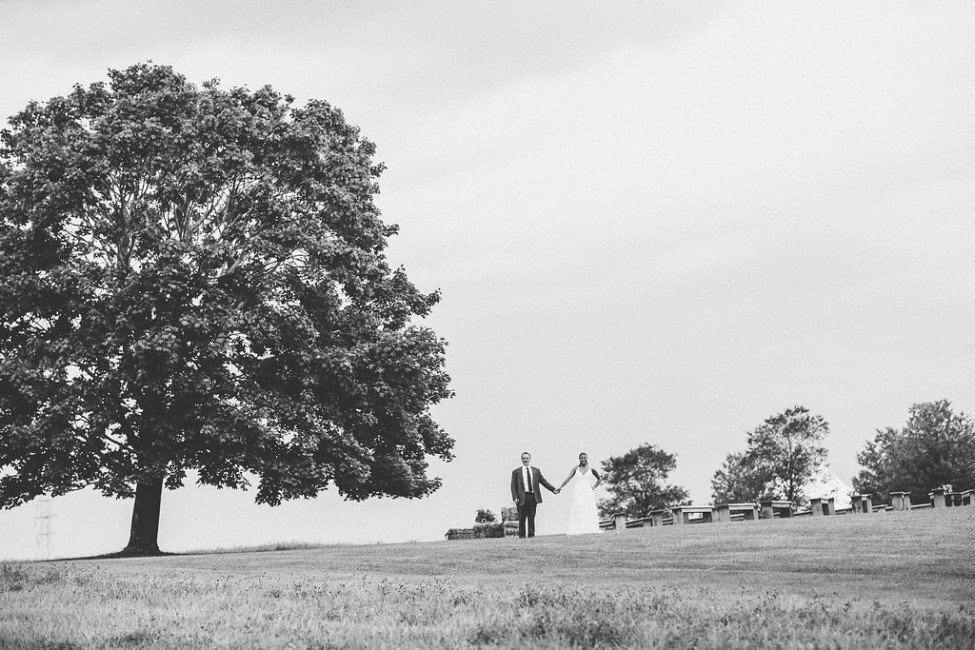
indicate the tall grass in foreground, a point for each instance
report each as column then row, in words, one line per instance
column 890, row 581
column 71, row 606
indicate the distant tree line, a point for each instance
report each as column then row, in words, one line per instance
column 936, row 447
column 785, row 454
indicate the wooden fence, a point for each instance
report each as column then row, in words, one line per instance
column 818, row 507
column 725, row 513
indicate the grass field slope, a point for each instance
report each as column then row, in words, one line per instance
column 903, row 579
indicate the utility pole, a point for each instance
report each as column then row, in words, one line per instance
column 43, row 527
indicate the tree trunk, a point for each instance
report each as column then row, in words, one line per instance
column 145, row 518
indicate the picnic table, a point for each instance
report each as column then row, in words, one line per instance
column 862, row 504
column 684, row 515
column 775, row 509
column 822, row 506
column 728, row 512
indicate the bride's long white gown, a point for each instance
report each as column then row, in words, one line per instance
column 583, row 517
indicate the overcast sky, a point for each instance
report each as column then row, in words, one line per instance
column 651, row 222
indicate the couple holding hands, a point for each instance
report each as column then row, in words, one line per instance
column 526, row 493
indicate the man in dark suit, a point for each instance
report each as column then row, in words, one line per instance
column 526, row 493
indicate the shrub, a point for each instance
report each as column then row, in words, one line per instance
column 484, row 516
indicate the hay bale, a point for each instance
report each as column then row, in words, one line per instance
column 460, row 533
column 493, row 529
column 509, row 513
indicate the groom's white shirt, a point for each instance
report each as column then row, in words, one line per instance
column 526, row 477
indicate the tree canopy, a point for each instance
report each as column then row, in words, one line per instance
column 740, row 481
column 635, row 482
column 935, row 447
column 782, row 456
column 194, row 279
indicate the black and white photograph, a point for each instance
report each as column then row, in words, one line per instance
column 374, row 324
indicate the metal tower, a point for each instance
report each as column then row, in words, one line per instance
column 43, row 527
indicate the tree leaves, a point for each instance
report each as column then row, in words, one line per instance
column 741, row 481
column 783, row 454
column 935, row 447
column 194, row 279
column 635, row 482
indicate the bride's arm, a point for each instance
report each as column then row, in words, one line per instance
column 598, row 479
column 568, row 478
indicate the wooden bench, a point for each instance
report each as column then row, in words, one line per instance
column 900, row 500
column 862, row 504
column 619, row 520
column 684, row 515
column 661, row 518
column 639, row 523
column 728, row 512
column 943, row 498
column 774, row 509
column 955, row 499
column 822, row 506
column 615, row 522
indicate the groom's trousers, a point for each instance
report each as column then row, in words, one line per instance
column 526, row 515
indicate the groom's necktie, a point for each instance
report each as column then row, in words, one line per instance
column 528, row 479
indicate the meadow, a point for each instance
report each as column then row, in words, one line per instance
column 890, row 580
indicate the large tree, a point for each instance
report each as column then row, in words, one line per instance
column 194, row 279
column 787, row 449
column 635, row 482
column 935, row 447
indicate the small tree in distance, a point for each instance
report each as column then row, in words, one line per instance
column 635, row 482
column 787, row 447
column 739, row 481
column 194, row 279
column 935, row 447
column 782, row 456
column 484, row 516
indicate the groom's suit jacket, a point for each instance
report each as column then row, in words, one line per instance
column 518, row 485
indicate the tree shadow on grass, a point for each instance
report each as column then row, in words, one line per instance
column 263, row 548
column 118, row 555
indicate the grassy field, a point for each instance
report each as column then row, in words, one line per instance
column 873, row 581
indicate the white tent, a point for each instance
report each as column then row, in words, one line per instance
column 827, row 484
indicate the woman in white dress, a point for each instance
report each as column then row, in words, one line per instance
column 583, row 517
